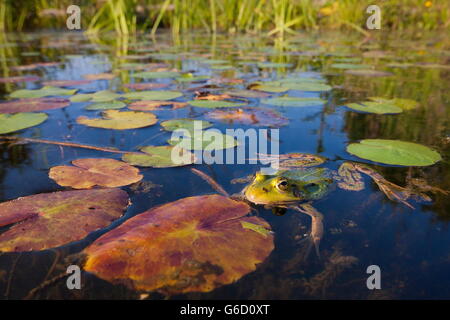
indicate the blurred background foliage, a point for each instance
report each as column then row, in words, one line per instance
column 274, row 17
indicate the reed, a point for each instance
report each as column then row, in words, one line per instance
column 273, row 17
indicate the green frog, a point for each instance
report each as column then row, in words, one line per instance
column 292, row 189
column 300, row 179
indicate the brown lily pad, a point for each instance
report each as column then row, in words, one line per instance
column 87, row 173
column 99, row 76
column 150, row 105
column 195, row 244
column 51, row 220
column 33, row 104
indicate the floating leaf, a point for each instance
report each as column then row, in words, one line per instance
column 160, row 157
column 195, row 244
column 349, row 178
column 274, row 65
column 394, row 152
column 19, row 121
column 66, row 83
column 375, row 107
column 349, row 66
column 43, row 92
column 19, row 79
column 293, row 160
column 294, row 102
column 146, row 86
column 209, row 140
column 99, row 76
column 152, row 95
column 188, row 124
column 214, row 104
column 50, row 220
column 106, row 105
column 250, row 116
column 150, row 105
column 156, row 74
column 120, row 120
column 404, row 104
column 33, row 104
column 247, row 94
column 368, row 73
column 87, row 173
column 257, row 228
column 99, row 96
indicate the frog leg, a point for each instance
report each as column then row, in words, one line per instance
column 316, row 225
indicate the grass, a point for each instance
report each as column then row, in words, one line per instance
column 273, row 17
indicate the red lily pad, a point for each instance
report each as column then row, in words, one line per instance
column 87, row 173
column 250, row 116
column 66, row 83
column 145, row 86
column 50, row 220
column 33, row 104
column 194, row 244
column 19, row 79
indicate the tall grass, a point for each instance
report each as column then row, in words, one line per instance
column 273, row 17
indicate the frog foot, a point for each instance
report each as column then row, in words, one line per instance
column 316, row 226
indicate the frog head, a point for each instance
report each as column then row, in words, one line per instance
column 288, row 186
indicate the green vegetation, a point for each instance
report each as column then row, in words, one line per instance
column 273, row 17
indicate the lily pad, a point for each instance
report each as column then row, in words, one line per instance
column 250, row 116
column 404, row 104
column 43, row 92
column 50, row 220
column 368, row 73
column 66, row 83
column 19, row 121
column 195, row 244
column 247, row 94
column 146, row 86
column 19, row 79
column 214, row 104
column 375, row 107
column 153, row 95
column 160, row 157
column 294, row 102
column 33, row 104
column 106, row 105
column 188, row 124
column 120, row 120
column 150, row 105
column 349, row 66
column 155, row 74
column 394, row 152
column 99, row 76
column 204, row 140
column 87, row 173
column 99, row 96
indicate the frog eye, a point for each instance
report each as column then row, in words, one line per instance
column 282, row 185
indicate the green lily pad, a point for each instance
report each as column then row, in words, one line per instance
column 155, row 74
column 375, row 107
column 204, row 140
column 294, row 102
column 120, row 120
column 404, row 104
column 106, row 105
column 160, row 157
column 188, row 124
column 99, row 96
column 274, row 65
column 19, row 121
column 43, row 92
column 214, row 104
column 394, row 152
column 153, row 95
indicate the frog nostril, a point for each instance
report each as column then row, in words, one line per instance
column 265, row 190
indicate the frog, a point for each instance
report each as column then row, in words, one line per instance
column 302, row 179
column 297, row 180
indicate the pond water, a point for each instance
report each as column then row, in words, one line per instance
column 363, row 228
